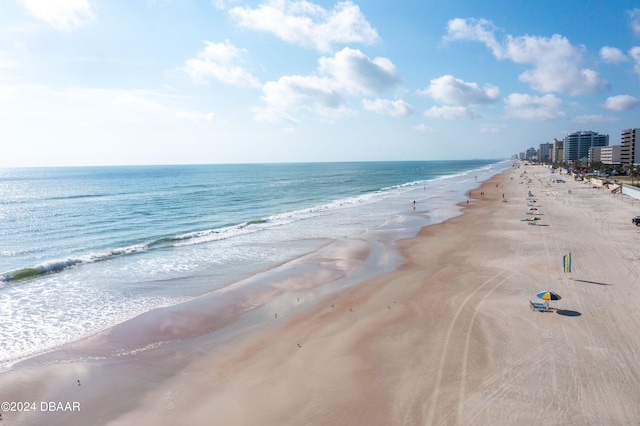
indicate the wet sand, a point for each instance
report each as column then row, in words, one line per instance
column 447, row 338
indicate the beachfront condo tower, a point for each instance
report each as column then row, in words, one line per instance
column 629, row 154
column 577, row 144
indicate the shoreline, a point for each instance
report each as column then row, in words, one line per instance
column 322, row 255
column 447, row 338
column 32, row 336
column 79, row 360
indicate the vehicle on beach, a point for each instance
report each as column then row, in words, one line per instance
column 636, row 220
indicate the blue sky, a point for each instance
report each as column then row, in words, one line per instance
column 93, row 82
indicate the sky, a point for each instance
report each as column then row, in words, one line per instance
column 125, row 82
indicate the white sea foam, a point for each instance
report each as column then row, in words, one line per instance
column 59, row 265
column 101, row 289
column 29, row 327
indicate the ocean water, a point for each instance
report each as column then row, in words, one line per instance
column 83, row 249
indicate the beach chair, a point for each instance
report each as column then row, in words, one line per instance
column 539, row 306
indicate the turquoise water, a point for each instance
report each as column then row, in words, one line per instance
column 82, row 249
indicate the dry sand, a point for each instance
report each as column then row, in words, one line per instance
column 448, row 338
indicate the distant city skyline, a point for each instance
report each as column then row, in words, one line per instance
column 96, row 82
column 589, row 146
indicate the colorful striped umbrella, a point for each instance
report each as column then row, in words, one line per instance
column 549, row 295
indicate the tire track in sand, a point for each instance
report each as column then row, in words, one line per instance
column 467, row 344
column 447, row 342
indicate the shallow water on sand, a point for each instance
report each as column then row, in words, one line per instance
column 83, row 249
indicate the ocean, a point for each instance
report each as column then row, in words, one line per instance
column 85, row 248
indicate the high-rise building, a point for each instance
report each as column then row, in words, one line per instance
column 577, row 144
column 531, row 154
column 544, row 152
column 605, row 154
column 629, row 154
column 557, row 151
column 610, row 154
column 595, row 154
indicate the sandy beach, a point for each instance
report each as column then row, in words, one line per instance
column 446, row 339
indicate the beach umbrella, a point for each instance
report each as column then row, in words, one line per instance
column 549, row 295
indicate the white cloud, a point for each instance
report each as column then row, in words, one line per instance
column 478, row 30
column 594, row 118
column 348, row 72
column 60, row 14
column 521, row 105
column 72, row 106
column 80, row 126
column 634, row 52
column 634, row 18
column 449, row 90
column 271, row 114
column 319, row 95
column 423, row 128
column 356, row 73
column 139, row 105
column 621, row 103
column 220, row 61
column 492, row 128
column 450, row 112
column 222, row 4
column 196, row 117
column 142, row 104
column 612, row 55
column 556, row 64
column 397, row 108
column 457, row 97
column 307, row 24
